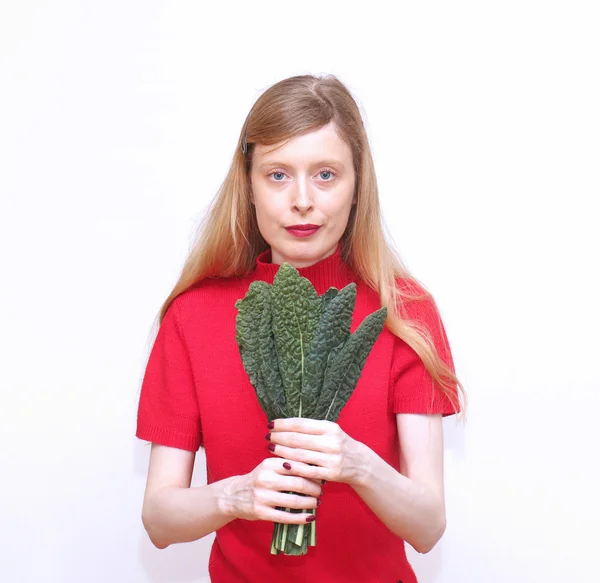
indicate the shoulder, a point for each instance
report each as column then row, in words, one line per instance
column 209, row 289
column 411, row 286
column 208, row 299
column 414, row 300
column 421, row 312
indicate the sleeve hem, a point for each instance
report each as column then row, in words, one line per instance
column 415, row 405
column 168, row 437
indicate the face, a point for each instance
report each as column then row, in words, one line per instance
column 308, row 180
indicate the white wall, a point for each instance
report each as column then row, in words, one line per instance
column 118, row 121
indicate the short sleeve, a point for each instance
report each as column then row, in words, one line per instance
column 168, row 406
column 412, row 388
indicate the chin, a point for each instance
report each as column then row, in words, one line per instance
column 302, row 251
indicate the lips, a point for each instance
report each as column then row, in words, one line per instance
column 302, row 230
column 306, row 227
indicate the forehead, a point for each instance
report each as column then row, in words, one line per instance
column 322, row 143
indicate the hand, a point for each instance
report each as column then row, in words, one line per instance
column 254, row 496
column 319, row 450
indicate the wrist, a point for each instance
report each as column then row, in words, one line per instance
column 227, row 495
column 363, row 468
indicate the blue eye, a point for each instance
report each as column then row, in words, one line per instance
column 280, row 175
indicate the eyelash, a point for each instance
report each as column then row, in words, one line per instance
column 332, row 172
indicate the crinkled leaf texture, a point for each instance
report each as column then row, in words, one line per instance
column 345, row 366
column 257, row 348
column 296, row 312
column 297, row 348
column 332, row 330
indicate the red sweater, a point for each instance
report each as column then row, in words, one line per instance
column 195, row 392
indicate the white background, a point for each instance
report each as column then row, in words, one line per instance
column 118, row 121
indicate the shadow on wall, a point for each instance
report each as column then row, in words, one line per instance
column 454, row 437
column 179, row 563
column 429, row 568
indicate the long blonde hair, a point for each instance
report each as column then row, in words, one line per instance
column 228, row 240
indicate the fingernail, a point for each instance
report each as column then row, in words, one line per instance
column 271, row 425
column 310, row 518
column 268, row 437
column 271, row 446
column 287, row 466
column 323, row 482
column 319, row 502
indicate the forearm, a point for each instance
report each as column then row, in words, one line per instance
column 407, row 508
column 176, row 515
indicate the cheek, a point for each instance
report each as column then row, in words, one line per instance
column 267, row 213
column 338, row 211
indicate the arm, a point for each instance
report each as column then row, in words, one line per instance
column 411, row 503
column 175, row 513
column 172, row 511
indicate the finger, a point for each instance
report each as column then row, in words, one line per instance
column 283, row 517
column 299, row 485
column 300, row 455
column 303, row 441
column 291, row 483
column 301, row 425
column 279, row 466
column 287, row 500
column 315, row 474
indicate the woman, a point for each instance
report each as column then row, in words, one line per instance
column 302, row 190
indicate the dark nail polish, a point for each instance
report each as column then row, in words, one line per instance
column 271, row 446
column 268, row 437
column 310, row 518
column 271, row 425
column 319, row 502
column 287, row 466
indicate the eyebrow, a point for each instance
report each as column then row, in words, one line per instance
column 330, row 162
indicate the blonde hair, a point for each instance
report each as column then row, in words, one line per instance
column 228, row 240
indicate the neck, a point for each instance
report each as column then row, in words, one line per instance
column 331, row 271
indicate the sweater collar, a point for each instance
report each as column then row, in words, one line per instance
column 331, row 271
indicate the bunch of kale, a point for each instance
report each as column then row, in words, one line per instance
column 302, row 360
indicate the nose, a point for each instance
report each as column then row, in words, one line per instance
column 302, row 196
